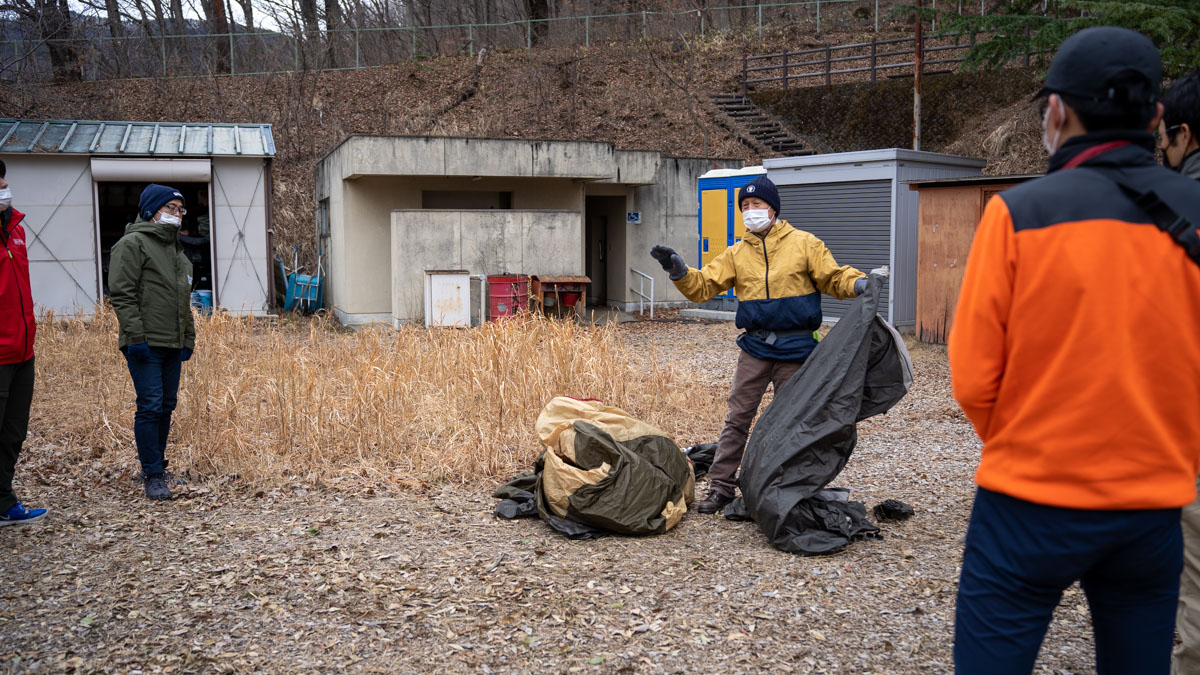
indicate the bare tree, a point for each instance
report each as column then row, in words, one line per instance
column 247, row 14
column 220, row 26
column 538, row 11
column 333, row 32
column 52, row 22
column 116, row 28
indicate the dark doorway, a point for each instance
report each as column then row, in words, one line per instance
column 117, row 207
column 597, row 258
column 604, row 221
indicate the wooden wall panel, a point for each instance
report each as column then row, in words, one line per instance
column 947, row 218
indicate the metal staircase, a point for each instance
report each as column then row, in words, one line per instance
column 769, row 134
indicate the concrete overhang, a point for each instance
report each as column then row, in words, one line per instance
column 485, row 157
column 636, row 167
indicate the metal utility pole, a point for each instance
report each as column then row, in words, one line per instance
column 918, row 60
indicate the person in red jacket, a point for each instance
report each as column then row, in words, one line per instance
column 17, row 327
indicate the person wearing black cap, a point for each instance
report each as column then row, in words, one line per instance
column 150, row 281
column 1075, row 354
column 1179, row 129
column 778, row 274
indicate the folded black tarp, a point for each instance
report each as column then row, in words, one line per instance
column 804, row 438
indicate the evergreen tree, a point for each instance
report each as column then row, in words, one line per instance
column 1012, row 29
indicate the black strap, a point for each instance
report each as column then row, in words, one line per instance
column 1166, row 218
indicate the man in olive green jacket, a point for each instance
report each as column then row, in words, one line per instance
column 150, row 281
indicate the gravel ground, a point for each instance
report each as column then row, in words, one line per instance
column 288, row 580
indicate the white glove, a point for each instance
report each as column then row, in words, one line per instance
column 881, row 271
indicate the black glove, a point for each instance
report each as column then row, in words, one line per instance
column 185, row 353
column 860, row 286
column 670, row 260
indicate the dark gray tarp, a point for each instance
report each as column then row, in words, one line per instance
column 805, row 437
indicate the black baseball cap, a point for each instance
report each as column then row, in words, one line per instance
column 1087, row 62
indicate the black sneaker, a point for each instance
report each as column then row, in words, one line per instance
column 156, row 487
column 714, row 502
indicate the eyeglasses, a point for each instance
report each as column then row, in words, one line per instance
column 1164, row 139
column 171, row 208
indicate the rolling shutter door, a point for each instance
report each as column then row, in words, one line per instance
column 852, row 218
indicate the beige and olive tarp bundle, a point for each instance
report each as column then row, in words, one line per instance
column 602, row 471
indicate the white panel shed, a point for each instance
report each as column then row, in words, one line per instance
column 78, row 183
column 859, row 205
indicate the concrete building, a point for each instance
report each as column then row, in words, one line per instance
column 78, row 183
column 390, row 208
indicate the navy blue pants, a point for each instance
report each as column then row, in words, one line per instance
column 156, row 381
column 1021, row 556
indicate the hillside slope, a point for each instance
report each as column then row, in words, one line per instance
column 619, row 93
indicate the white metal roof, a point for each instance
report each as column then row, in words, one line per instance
column 157, row 139
column 725, row 173
column 862, row 157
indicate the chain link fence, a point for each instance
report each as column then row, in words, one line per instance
column 96, row 56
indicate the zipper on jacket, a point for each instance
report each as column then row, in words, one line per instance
column 12, row 262
column 767, row 262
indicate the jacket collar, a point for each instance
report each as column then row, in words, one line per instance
column 781, row 228
column 1191, row 165
column 9, row 217
column 1138, row 149
column 167, row 234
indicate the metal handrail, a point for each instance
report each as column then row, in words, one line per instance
column 642, row 276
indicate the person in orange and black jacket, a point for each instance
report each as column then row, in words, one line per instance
column 1075, row 354
column 17, row 330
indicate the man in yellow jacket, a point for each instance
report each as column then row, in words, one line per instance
column 778, row 273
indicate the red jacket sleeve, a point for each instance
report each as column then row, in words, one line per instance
column 977, row 338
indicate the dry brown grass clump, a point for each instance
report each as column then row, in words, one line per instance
column 274, row 402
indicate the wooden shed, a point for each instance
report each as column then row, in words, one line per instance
column 947, row 215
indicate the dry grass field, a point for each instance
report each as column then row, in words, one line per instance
column 339, row 517
column 305, row 401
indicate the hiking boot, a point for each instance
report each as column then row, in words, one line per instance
column 20, row 515
column 714, row 502
column 156, row 487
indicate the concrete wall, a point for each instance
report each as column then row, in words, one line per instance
column 361, row 268
column 481, row 242
column 669, row 210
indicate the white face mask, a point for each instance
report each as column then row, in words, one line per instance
column 1050, row 144
column 5, row 198
column 757, row 220
column 170, row 219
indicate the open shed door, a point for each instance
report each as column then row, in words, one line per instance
column 55, row 193
column 239, row 232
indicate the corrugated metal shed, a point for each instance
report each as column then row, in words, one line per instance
column 859, row 205
column 152, row 139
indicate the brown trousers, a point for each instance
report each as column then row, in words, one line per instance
column 750, row 380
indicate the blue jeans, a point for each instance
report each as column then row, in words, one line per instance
column 1021, row 556
column 156, row 381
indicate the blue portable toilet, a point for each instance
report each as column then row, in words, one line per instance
column 720, row 220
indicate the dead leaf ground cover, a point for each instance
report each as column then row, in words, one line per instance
column 231, row 578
